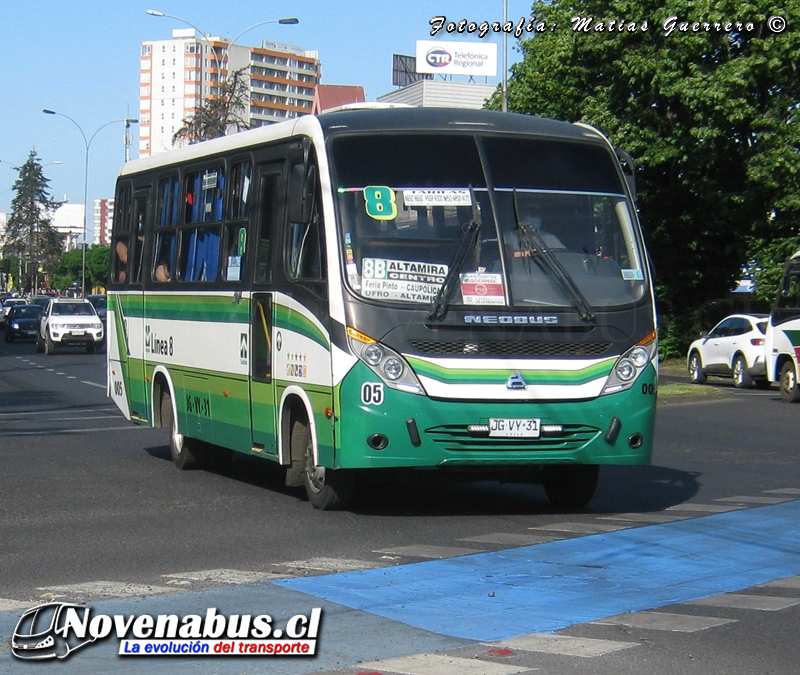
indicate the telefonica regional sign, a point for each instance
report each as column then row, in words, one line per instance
column 457, row 58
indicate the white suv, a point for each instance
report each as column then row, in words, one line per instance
column 66, row 322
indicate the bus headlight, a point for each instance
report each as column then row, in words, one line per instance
column 631, row 364
column 393, row 368
column 373, row 354
column 387, row 364
column 625, row 370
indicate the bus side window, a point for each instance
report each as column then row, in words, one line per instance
column 266, row 226
column 306, row 243
column 136, row 245
column 121, row 240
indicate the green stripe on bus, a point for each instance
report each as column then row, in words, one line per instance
column 289, row 319
column 216, row 309
column 501, row 375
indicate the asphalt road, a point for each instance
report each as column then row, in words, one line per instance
column 92, row 510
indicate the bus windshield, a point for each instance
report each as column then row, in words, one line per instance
column 552, row 217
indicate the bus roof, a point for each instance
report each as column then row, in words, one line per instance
column 406, row 119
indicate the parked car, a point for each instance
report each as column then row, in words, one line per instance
column 22, row 322
column 735, row 348
column 67, row 321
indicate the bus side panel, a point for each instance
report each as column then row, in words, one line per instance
column 126, row 367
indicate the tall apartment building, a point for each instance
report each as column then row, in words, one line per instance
column 177, row 75
column 103, row 217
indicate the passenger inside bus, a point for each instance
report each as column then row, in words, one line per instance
column 121, row 250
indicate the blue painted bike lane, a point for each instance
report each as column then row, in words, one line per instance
column 444, row 604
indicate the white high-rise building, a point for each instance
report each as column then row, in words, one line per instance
column 177, row 75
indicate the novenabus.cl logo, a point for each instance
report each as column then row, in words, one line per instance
column 43, row 632
column 438, row 57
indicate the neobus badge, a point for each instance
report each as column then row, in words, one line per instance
column 520, row 319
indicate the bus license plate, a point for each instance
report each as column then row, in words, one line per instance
column 510, row 427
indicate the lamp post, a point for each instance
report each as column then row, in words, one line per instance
column 285, row 21
column 87, row 143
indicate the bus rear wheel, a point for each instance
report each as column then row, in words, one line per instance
column 187, row 453
column 327, row 489
column 571, row 486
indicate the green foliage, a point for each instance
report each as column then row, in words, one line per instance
column 30, row 235
column 68, row 269
column 708, row 115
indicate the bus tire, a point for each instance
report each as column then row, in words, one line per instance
column 327, row 489
column 187, row 453
column 571, row 486
column 790, row 392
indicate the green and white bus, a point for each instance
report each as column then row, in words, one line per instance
column 401, row 288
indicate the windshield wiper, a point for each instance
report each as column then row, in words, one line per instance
column 533, row 241
column 439, row 303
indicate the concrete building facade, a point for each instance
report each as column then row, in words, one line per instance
column 176, row 76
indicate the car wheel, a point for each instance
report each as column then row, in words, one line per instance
column 696, row 374
column 571, row 487
column 9, row 337
column 327, row 489
column 49, row 345
column 90, row 349
column 187, row 453
column 39, row 343
column 741, row 378
column 790, row 392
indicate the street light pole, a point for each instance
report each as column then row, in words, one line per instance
column 87, row 143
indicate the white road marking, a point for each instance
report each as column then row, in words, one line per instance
column 679, row 623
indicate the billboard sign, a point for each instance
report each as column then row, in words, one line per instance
column 457, row 58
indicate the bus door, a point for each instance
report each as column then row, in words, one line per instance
column 263, row 396
column 263, row 413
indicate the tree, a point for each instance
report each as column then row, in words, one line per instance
column 709, row 113
column 68, row 269
column 30, row 235
column 219, row 113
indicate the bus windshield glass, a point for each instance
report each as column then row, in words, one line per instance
column 404, row 202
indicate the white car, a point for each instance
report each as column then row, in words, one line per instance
column 66, row 322
column 735, row 348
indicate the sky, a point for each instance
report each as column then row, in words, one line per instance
column 81, row 59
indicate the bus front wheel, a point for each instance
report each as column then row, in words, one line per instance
column 790, row 391
column 571, row 486
column 327, row 489
column 187, row 453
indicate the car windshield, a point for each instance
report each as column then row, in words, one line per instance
column 553, row 230
column 72, row 309
column 29, row 312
